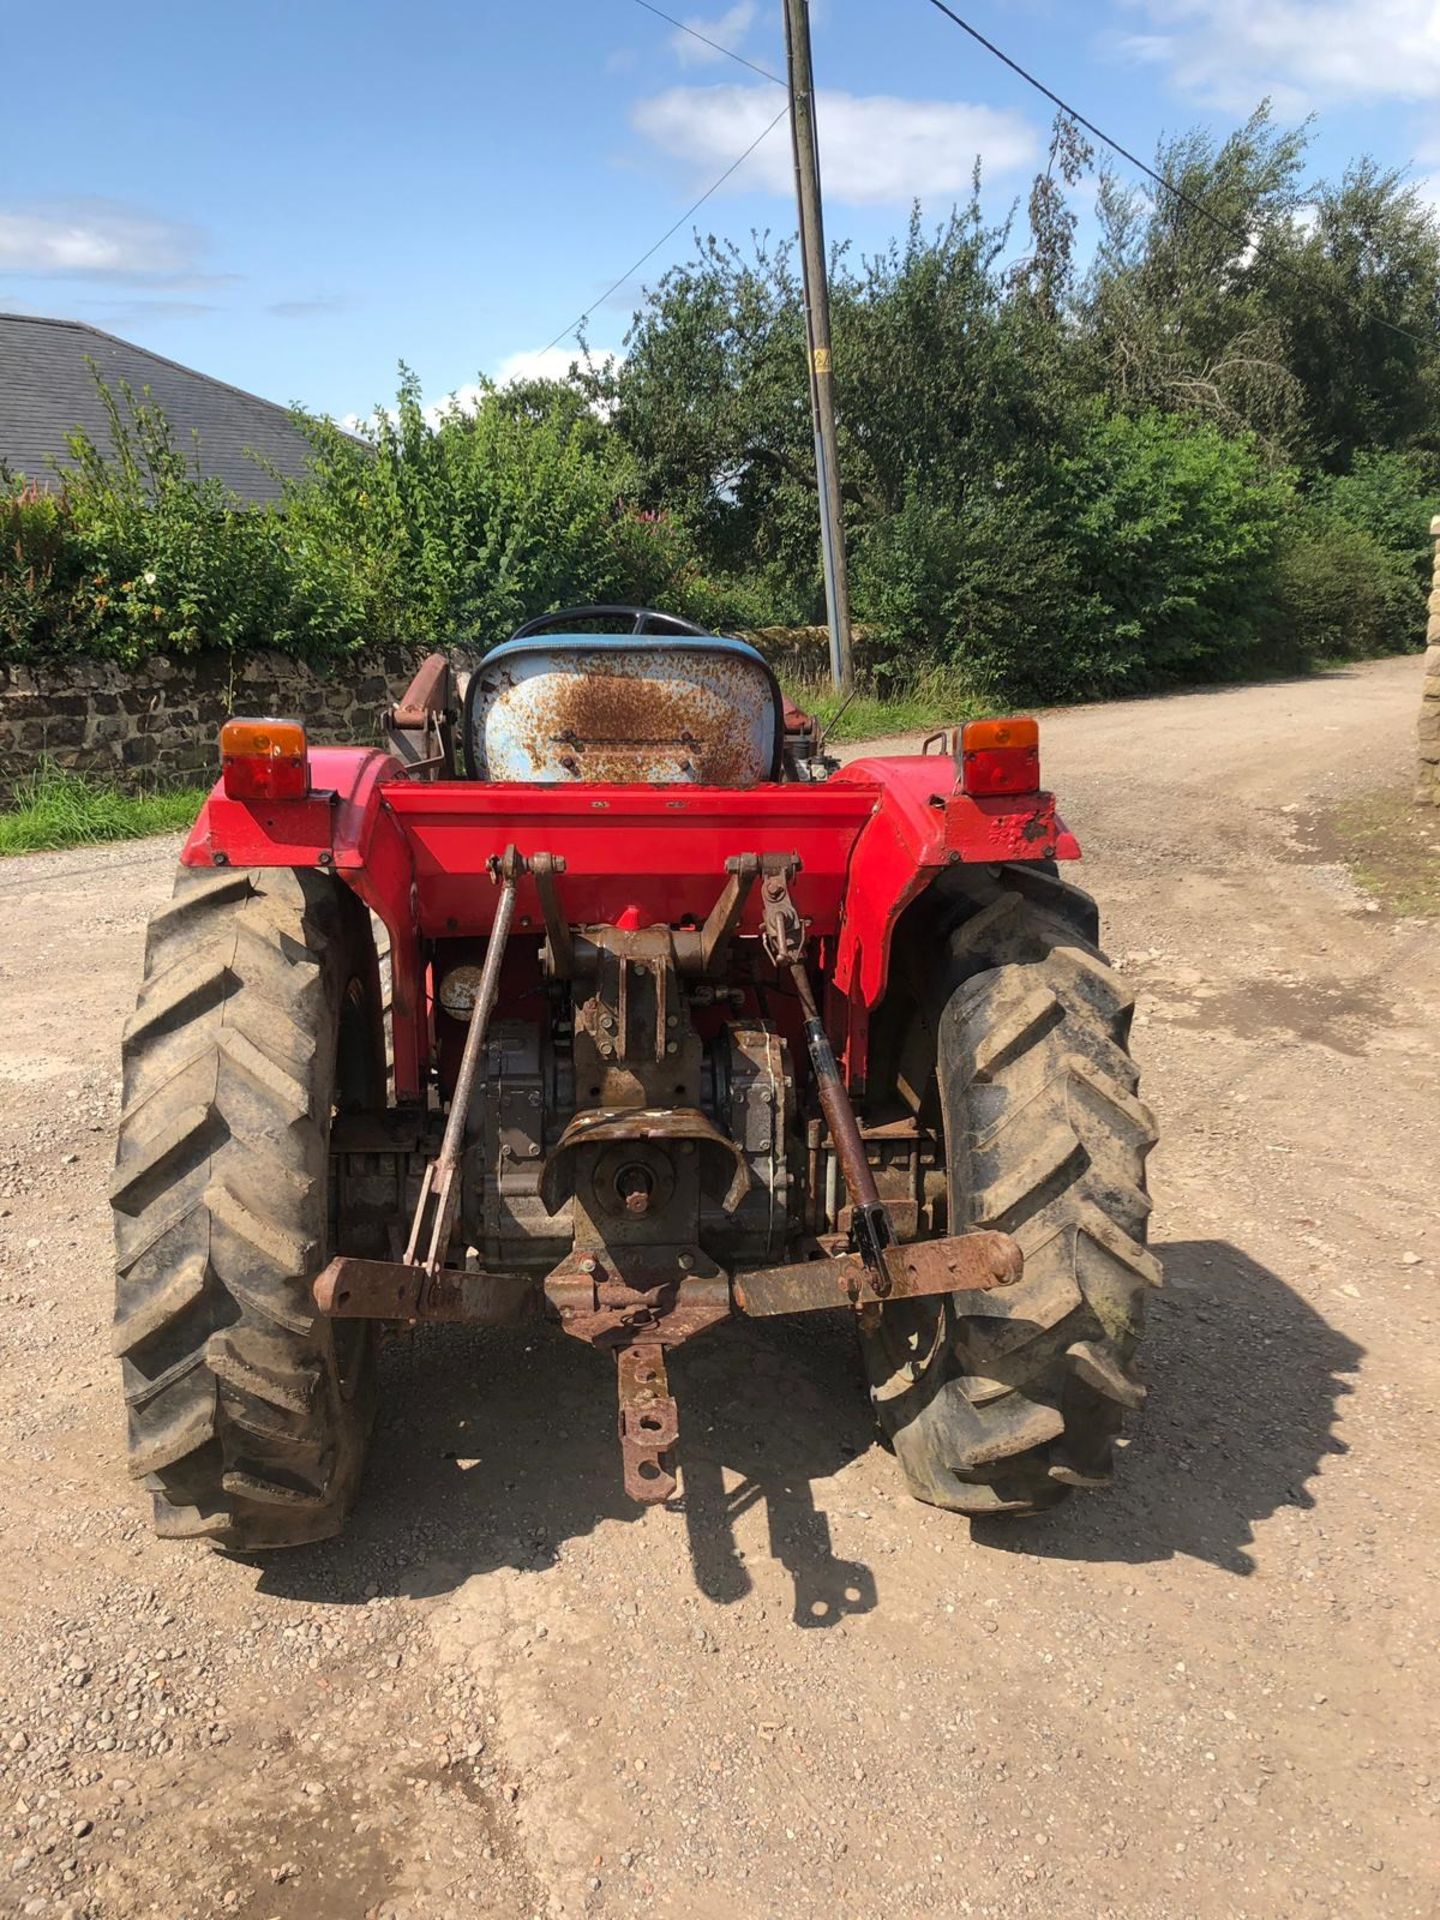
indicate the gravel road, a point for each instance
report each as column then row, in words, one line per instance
column 1211, row 1691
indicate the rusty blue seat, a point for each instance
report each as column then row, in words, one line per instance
column 663, row 704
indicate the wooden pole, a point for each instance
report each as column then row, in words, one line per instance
column 817, row 333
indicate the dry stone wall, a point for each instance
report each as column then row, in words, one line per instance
column 1428, row 788
column 159, row 723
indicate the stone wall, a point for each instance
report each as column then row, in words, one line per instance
column 159, row 723
column 1428, row 788
column 799, row 654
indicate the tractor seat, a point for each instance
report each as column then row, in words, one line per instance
column 662, row 709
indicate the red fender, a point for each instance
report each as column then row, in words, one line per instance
column 344, row 825
column 920, row 827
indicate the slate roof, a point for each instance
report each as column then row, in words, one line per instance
column 47, row 390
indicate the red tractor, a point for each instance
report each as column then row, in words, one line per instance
column 683, row 1022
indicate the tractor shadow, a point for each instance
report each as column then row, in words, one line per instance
column 803, row 1414
column 494, row 1448
column 1245, row 1382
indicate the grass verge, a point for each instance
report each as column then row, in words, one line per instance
column 1391, row 846
column 933, row 699
column 53, row 808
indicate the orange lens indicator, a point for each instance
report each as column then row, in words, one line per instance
column 1000, row 757
column 264, row 760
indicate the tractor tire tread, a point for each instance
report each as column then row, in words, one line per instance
column 1023, row 1397
column 240, row 1422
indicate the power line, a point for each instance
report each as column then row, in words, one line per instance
column 1073, row 113
column 1231, row 231
column 689, row 213
column 714, row 45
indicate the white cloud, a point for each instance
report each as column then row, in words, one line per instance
column 875, row 149
column 100, row 239
column 547, row 363
column 727, row 31
column 1301, row 52
column 464, row 399
column 530, row 363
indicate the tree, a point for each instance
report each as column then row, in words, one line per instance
column 1360, row 294
column 1180, row 302
column 711, row 401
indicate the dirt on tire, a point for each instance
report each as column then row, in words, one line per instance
column 1007, row 1408
column 244, row 1422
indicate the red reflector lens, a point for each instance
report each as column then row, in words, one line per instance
column 264, row 760
column 1000, row 756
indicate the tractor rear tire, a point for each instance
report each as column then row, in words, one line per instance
column 1001, row 1402
column 259, row 1013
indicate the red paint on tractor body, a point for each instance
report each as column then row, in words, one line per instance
column 868, row 840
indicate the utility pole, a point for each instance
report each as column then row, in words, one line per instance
column 817, row 334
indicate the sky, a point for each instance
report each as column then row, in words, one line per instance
column 295, row 195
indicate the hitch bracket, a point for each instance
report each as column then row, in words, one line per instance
column 649, row 1422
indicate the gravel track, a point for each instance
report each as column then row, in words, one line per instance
column 1211, row 1691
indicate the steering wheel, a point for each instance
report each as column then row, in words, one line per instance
column 642, row 619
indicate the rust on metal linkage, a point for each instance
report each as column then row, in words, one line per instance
column 660, row 1302
column 544, row 869
column 964, row 1263
column 440, row 1189
column 783, row 937
column 351, row 1289
column 637, row 1310
column 420, row 726
column 649, row 1423
column 879, row 1268
column 421, row 1286
column 600, row 1307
